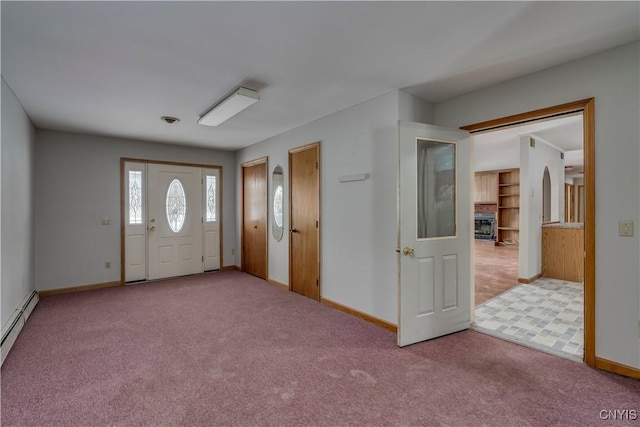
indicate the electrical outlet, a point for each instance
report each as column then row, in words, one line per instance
column 625, row 228
column 106, row 221
column 233, row 251
column 107, row 264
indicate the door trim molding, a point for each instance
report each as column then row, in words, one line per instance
column 244, row 165
column 587, row 108
column 617, row 368
column 304, row 148
column 312, row 145
column 542, row 113
column 257, row 161
column 123, row 203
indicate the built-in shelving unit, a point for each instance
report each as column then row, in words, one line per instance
column 508, row 217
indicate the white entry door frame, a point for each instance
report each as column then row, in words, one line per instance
column 170, row 219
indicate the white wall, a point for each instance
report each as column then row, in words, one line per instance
column 611, row 77
column 414, row 109
column 17, row 246
column 358, row 219
column 77, row 182
column 533, row 161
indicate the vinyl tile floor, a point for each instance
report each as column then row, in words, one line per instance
column 547, row 315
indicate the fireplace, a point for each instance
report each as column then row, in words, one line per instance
column 485, row 226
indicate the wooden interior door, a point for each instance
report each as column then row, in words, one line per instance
column 304, row 236
column 580, row 206
column 567, row 202
column 572, row 207
column 254, row 218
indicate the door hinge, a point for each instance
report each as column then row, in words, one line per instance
column 316, row 224
column 317, row 282
column 316, row 165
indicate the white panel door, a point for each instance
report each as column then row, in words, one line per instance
column 174, row 224
column 211, row 215
column 434, row 232
column 135, row 222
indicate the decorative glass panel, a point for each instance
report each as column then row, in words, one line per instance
column 277, row 179
column 212, row 198
column 277, row 205
column 176, row 205
column 436, row 189
column 135, row 197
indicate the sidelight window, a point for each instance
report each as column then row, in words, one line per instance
column 212, row 198
column 135, row 197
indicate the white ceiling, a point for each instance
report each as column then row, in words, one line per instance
column 114, row 68
column 500, row 149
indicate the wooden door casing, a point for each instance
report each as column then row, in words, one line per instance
column 585, row 107
column 304, row 236
column 254, row 218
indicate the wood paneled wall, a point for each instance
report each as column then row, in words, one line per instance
column 486, row 187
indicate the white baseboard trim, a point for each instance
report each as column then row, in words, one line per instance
column 12, row 328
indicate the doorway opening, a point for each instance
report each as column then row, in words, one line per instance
column 572, row 298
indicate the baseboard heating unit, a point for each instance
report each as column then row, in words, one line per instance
column 12, row 328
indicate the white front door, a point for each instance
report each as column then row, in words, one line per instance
column 434, row 232
column 175, row 218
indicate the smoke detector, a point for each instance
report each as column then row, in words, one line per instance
column 169, row 119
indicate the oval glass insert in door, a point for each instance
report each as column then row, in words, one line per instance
column 278, row 203
column 176, row 205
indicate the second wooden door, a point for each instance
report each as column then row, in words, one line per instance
column 304, row 246
column 254, row 224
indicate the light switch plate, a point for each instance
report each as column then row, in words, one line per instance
column 625, row 228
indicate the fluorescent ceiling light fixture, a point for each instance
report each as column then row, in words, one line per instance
column 230, row 106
